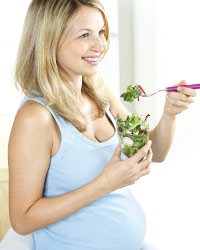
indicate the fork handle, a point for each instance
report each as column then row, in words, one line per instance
column 174, row 88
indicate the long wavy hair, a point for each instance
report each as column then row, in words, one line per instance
column 37, row 71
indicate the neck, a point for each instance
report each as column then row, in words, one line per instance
column 81, row 97
column 77, row 83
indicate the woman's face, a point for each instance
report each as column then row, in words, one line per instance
column 79, row 52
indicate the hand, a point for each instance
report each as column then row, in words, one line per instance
column 120, row 173
column 176, row 102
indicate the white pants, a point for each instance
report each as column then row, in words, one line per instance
column 14, row 241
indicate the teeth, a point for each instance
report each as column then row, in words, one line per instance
column 91, row 59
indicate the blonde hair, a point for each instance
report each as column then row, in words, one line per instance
column 37, row 71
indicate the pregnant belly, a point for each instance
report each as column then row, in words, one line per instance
column 115, row 222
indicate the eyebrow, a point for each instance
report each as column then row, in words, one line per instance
column 89, row 29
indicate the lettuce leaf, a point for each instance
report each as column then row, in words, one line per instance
column 131, row 93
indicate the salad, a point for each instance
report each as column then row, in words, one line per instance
column 133, row 133
column 133, row 130
column 132, row 93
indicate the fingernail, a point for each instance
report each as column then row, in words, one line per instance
column 179, row 88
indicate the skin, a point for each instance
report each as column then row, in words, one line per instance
column 84, row 39
column 35, row 138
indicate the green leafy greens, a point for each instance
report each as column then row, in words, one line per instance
column 133, row 133
column 134, row 130
column 131, row 93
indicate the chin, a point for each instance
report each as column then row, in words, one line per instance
column 90, row 73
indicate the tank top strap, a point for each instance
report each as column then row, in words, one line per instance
column 59, row 120
column 110, row 116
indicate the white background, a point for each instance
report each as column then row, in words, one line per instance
column 158, row 46
column 166, row 38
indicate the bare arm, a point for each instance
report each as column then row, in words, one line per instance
column 162, row 136
column 30, row 150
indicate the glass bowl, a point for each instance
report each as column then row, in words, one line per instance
column 133, row 132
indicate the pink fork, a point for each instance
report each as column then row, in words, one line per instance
column 173, row 88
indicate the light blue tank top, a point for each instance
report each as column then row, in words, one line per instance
column 114, row 222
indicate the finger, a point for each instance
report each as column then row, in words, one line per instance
column 187, row 91
column 180, row 96
column 183, row 82
column 117, row 153
column 180, row 83
column 177, row 103
column 144, row 172
column 173, row 110
column 145, row 163
column 141, row 153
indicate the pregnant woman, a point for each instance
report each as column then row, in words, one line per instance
column 68, row 184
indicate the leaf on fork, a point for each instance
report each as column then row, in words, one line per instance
column 132, row 93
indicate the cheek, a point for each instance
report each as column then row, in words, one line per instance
column 66, row 53
column 104, row 42
column 62, row 56
column 79, row 49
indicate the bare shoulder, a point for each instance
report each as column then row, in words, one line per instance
column 33, row 123
column 33, row 113
column 116, row 106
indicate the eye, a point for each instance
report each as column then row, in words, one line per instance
column 84, row 35
column 101, row 32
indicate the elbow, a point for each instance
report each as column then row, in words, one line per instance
column 159, row 159
column 19, row 227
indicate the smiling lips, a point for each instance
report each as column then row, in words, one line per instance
column 91, row 60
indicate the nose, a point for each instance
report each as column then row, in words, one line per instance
column 99, row 44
